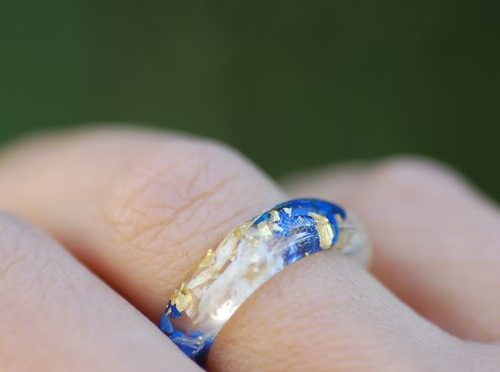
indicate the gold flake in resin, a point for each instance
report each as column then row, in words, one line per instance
column 181, row 298
column 265, row 229
column 324, row 229
column 208, row 260
column 275, row 216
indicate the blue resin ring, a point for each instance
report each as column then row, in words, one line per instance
column 249, row 256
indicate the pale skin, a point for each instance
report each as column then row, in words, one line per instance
column 131, row 212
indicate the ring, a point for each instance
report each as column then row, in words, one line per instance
column 250, row 255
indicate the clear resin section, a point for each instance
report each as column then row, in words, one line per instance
column 249, row 256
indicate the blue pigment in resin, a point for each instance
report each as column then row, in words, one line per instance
column 304, row 226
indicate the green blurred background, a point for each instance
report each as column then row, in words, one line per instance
column 292, row 84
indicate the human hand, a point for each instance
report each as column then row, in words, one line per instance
column 138, row 210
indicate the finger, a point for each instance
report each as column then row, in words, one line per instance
column 139, row 208
column 324, row 313
column 147, row 213
column 435, row 239
column 56, row 316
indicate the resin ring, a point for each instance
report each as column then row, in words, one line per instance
column 249, row 256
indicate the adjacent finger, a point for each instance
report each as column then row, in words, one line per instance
column 139, row 208
column 57, row 316
column 436, row 241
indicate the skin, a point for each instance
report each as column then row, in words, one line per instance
column 131, row 212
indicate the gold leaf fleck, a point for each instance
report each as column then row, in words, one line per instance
column 324, row 229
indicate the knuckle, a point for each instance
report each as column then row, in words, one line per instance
column 407, row 175
column 178, row 194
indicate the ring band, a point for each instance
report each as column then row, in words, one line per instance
column 249, row 256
